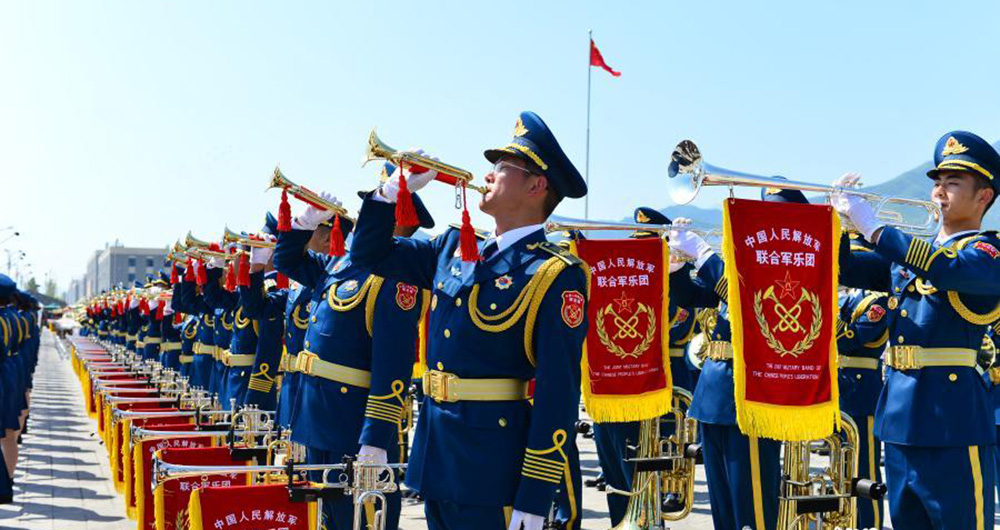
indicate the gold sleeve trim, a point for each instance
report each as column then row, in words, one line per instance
column 376, row 286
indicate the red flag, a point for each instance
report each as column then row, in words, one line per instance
column 596, row 59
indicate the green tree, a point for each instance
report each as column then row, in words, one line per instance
column 50, row 288
column 32, row 285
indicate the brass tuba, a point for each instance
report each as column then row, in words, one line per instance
column 824, row 498
column 447, row 173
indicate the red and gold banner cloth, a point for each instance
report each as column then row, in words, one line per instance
column 138, row 495
column 626, row 357
column 265, row 507
column 171, row 497
column 781, row 267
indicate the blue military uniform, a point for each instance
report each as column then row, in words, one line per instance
column 355, row 363
column 188, row 331
column 8, row 342
column 992, row 377
column 262, row 387
column 189, row 301
column 861, row 337
column 935, row 413
column 223, row 304
column 743, row 472
column 479, row 445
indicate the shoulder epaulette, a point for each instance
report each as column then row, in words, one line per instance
column 480, row 234
column 559, row 252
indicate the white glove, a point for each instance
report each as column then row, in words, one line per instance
column 260, row 256
column 153, row 304
column 313, row 216
column 168, row 308
column 134, row 303
column 414, row 181
column 216, row 263
column 373, row 455
column 689, row 243
column 856, row 209
column 528, row 521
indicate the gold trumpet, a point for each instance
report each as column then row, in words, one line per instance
column 199, row 249
column 688, row 173
column 279, row 180
column 447, row 173
column 232, row 237
column 711, row 235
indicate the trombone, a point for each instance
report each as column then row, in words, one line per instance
column 279, row 180
column 688, row 173
column 447, row 173
column 229, row 236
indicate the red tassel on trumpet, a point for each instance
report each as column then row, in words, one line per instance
column 337, row 247
column 284, row 214
column 406, row 213
column 243, row 277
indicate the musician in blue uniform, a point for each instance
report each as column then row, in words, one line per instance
column 992, row 378
column 190, row 301
column 482, row 456
column 8, row 340
column 743, row 472
column 357, row 356
column 935, row 413
column 188, row 331
column 862, row 333
column 170, row 348
column 224, row 308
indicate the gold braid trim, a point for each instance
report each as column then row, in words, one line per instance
column 209, row 320
column 300, row 322
column 346, row 304
column 969, row 315
column 224, row 326
column 376, row 286
column 241, row 322
column 382, row 407
column 540, row 467
column 548, row 272
column 879, row 341
column 191, row 331
column 863, row 305
column 261, row 381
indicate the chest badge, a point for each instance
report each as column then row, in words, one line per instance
column 504, row 282
column 893, row 303
column 351, row 285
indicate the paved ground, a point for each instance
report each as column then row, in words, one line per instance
column 63, row 475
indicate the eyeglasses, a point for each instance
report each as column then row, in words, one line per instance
column 501, row 165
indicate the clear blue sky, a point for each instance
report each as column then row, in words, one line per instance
column 137, row 121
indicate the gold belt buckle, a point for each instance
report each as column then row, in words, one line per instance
column 904, row 357
column 438, row 384
column 305, row 362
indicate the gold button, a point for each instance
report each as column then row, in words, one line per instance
column 458, row 302
column 902, row 313
column 899, row 340
column 314, row 319
column 307, row 344
column 447, row 333
column 493, row 306
column 896, row 289
column 910, row 288
column 440, row 285
column 440, row 365
column 952, row 377
column 858, row 377
column 434, row 302
column 502, row 422
column 343, row 390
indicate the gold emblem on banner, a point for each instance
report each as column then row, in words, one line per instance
column 626, row 322
column 788, row 316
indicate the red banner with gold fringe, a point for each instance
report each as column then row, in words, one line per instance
column 781, row 266
column 264, row 507
column 626, row 360
column 171, row 497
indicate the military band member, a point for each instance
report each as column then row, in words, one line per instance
column 170, row 349
column 190, row 301
column 188, row 331
column 992, row 377
column 357, row 356
column 861, row 337
column 935, row 414
column 223, row 304
column 8, row 439
column 488, row 338
column 743, row 472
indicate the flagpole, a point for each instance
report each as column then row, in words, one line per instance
column 586, row 171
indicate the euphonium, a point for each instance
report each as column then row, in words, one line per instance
column 683, row 447
column 232, row 237
column 645, row 509
column 278, row 180
column 825, row 498
column 447, row 173
column 688, row 173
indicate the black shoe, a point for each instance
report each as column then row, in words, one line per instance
column 594, row 482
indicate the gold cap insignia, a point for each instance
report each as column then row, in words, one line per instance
column 641, row 216
column 519, row 128
column 952, row 147
column 385, row 174
column 772, row 191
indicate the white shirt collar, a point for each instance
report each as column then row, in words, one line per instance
column 508, row 238
column 954, row 236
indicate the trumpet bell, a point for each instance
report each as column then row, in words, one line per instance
column 685, row 173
